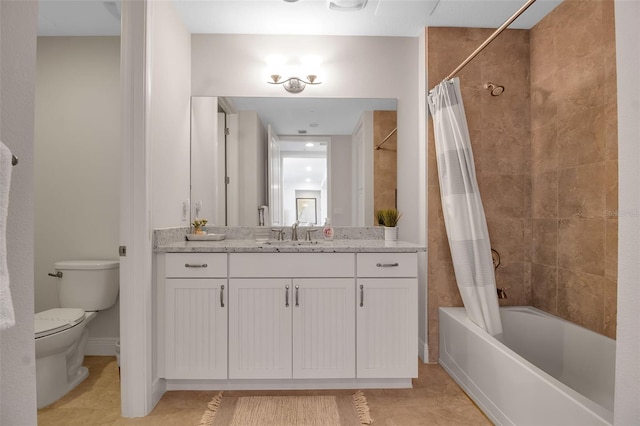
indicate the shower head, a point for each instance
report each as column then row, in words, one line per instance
column 494, row 88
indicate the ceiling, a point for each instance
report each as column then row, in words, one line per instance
column 316, row 116
column 304, row 17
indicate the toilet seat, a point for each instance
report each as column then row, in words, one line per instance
column 56, row 320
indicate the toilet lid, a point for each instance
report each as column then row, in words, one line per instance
column 56, row 320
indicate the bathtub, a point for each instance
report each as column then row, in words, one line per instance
column 546, row 371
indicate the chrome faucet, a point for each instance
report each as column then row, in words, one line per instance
column 294, row 231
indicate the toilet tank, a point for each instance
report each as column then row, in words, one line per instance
column 91, row 285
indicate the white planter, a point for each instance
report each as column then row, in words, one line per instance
column 391, row 233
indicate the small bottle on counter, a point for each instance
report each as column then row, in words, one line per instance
column 327, row 231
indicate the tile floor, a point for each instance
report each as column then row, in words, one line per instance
column 434, row 400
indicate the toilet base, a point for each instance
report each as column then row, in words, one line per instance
column 59, row 373
column 52, row 380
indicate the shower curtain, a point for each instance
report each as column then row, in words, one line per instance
column 462, row 208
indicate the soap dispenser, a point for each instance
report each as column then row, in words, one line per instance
column 327, row 231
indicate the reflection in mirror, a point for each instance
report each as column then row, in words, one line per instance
column 252, row 152
column 304, row 177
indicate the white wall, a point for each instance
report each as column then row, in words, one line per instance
column 18, row 23
column 207, row 161
column 627, row 393
column 77, row 162
column 353, row 67
column 169, row 116
column 252, row 157
column 341, row 199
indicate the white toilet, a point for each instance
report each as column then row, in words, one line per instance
column 85, row 287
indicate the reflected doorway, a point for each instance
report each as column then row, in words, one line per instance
column 305, row 187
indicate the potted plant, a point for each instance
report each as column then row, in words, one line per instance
column 389, row 219
column 198, row 224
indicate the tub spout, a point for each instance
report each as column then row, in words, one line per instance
column 501, row 293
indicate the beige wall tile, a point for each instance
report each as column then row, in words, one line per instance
column 611, row 249
column 581, row 299
column 512, row 277
column 544, row 287
column 610, row 306
column 508, row 238
column 581, row 245
column 503, row 195
column 553, row 190
column 581, row 191
column 544, row 195
column 544, row 242
column 544, row 147
column 581, row 138
column 611, row 184
column 544, row 102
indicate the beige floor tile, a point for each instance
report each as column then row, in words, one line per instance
column 434, row 400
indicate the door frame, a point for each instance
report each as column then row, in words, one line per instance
column 137, row 390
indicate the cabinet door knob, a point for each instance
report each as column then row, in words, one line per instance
column 286, row 296
column 222, row 296
column 387, row 265
column 361, row 295
column 195, row 265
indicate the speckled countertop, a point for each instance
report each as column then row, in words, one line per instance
column 244, row 240
column 322, row 246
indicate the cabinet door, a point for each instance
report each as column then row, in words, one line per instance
column 387, row 327
column 323, row 328
column 196, row 329
column 260, row 328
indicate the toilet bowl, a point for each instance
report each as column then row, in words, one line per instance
column 61, row 334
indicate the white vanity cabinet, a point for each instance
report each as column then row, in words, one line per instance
column 195, row 316
column 291, row 315
column 387, row 315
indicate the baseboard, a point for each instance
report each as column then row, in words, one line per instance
column 158, row 389
column 101, row 346
column 423, row 349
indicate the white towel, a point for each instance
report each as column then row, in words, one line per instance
column 7, row 318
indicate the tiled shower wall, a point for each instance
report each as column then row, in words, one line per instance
column 546, row 162
column 574, row 165
column 500, row 138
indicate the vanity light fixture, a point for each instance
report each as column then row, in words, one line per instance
column 294, row 84
column 277, row 64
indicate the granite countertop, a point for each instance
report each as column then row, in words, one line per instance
column 320, row 246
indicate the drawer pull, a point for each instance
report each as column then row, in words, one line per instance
column 297, row 290
column 222, row 296
column 193, row 265
column 361, row 295
column 286, row 296
column 387, row 265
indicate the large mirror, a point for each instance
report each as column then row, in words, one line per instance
column 254, row 159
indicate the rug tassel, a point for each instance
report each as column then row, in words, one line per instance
column 362, row 408
column 207, row 417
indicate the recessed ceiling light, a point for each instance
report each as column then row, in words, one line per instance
column 302, row 132
column 308, row 144
column 308, row 168
column 308, row 180
column 347, row 5
column 313, row 125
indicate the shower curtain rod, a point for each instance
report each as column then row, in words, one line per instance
column 490, row 39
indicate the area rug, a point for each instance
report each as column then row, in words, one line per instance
column 328, row 410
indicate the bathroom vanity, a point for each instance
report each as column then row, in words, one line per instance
column 237, row 314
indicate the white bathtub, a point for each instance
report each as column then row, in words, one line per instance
column 547, row 371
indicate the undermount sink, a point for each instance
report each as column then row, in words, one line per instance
column 289, row 243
